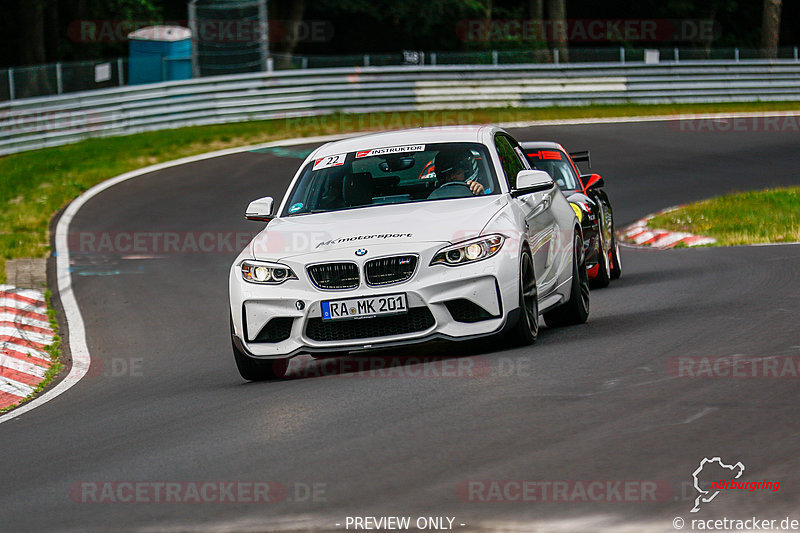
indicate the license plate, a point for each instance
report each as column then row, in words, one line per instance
column 390, row 304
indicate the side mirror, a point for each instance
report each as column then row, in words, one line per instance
column 529, row 181
column 260, row 210
column 593, row 181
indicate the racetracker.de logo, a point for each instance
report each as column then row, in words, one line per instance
column 738, row 367
column 412, row 366
column 738, row 124
column 172, row 242
column 565, row 491
column 588, row 30
column 178, row 492
column 202, row 492
column 207, row 30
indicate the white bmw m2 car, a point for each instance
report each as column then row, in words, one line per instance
column 403, row 237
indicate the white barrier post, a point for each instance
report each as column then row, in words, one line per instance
column 263, row 43
column 120, row 72
column 59, row 80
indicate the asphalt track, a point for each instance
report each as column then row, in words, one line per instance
column 163, row 401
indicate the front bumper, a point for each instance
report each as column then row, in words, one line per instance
column 288, row 316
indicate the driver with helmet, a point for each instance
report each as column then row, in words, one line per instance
column 457, row 165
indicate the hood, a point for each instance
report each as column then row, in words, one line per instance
column 442, row 221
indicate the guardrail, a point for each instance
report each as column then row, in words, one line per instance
column 41, row 122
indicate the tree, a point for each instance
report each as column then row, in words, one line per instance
column 557, row 11
column 290, row 14
column 771, row 28
column 31, row 24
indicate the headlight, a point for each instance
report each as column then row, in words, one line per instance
column 267, row 273
column 469, row 251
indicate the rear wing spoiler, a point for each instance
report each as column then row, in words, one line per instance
column 580, row 157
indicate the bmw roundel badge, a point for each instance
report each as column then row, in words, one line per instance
column 361, row 251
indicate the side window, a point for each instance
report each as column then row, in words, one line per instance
column 508, row 160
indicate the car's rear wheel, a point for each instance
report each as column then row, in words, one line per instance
column 526, row 329
column 576, row 309
column 254, row 370
column 603, row 277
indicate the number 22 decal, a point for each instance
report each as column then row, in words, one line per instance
column 329, row 161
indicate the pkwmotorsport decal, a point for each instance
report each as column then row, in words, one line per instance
column 365, row 237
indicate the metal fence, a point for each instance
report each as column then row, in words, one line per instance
column 60, row 78
column 63, row 78
column 39, row 122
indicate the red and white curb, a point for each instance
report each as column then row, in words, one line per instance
column 25, row 335
column 639, row 234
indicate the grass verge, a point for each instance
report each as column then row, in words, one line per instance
column 35, row 185
column 771, row 215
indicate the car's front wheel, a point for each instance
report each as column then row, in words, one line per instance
column 527, row 327
column 254, row 370
column 576, row 309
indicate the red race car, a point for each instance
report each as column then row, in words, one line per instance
column 590, row 202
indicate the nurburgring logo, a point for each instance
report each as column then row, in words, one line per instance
column 725, row 482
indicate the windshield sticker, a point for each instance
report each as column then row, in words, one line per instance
column 545, row 154
column 329, row 161
column 295, row 208
column 391, row 150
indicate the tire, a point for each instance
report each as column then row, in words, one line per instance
column 526, row 329
column 254, row 370
column 616, row 260
column 576, row 309
column 603, row 277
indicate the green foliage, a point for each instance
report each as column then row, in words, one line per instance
column 771, row 215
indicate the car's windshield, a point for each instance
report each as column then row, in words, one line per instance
column 555, row 163
column 393, row 175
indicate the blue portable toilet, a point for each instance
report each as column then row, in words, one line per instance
column 159, row 53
